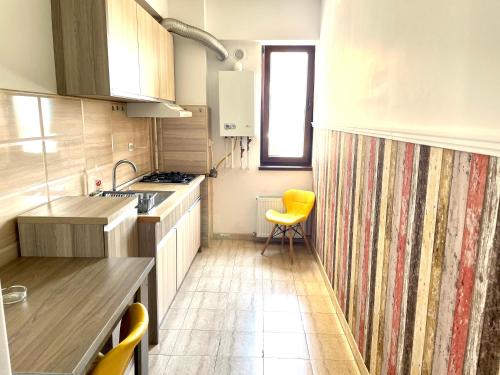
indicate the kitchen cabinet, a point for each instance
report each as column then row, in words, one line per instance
column 166, row 266
column 166, row 64
column 123, row 48
column 111, row 49
column 80, row 227
column 188, row 240
column 148, row 35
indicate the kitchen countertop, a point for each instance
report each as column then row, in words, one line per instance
column 160, row 212
column 80, row 210
column 71, row 308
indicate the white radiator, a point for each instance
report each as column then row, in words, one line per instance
column 264, row 203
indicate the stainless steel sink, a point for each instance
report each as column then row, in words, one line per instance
column 147, row 199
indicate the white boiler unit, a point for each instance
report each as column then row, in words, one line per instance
column 236, row 103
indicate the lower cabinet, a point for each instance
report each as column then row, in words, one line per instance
column 188, row 240
column 174, row 254
column 166, row 276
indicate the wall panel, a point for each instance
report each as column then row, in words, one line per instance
column 408, row 236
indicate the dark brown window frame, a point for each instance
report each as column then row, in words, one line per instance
column 289, row 163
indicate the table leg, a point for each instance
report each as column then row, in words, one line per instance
column 141, row 355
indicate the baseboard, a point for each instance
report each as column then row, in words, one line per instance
column 234, row 236
column 251, row 237
column 343, row 322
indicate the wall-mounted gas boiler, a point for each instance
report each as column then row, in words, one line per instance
column 236, row 104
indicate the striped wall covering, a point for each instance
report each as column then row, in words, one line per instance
column 409, row 237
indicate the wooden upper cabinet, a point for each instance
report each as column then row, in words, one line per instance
column 166, row 61
column 123, row 48
column 111, row 49
column 149, row 43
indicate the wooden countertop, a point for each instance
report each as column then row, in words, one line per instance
column 80, row 210
column 159, row 213
column 72, row 305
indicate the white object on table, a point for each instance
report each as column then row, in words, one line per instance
column 4, row 345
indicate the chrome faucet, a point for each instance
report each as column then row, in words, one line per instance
column 124, row 161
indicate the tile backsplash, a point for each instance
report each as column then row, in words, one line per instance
column 51, row 146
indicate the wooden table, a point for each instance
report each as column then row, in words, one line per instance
column 73, row 304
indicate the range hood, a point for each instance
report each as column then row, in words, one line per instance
column 159, row 110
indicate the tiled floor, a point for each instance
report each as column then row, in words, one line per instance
column 242, row 313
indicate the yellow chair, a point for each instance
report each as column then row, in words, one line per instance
column 133, row 327
column 298, row 205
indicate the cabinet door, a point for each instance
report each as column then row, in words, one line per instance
column 195, row 232
column 148, row 39
column 166, row 65
column 123, row 50
column 182, row 247
column 166, row 278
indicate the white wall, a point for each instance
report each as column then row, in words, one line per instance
column 424, row 70
column 26, row 50
column 235, row 190
column 264, row 19
column 160, row 6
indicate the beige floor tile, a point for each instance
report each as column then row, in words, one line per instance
column 278, row 286
column 243, row 321
column 182, row 300
column 277, row 274
column 330, row 367
column 281, row 302
column 245, row 301
column 213, row 284
column 191, row 365
column 174, row 319
column 322, row 323
column 158, row 364
column 322, row 346
column 310, row 288
column 193, row 342
column 246, row 286
column 204, row 319
column 285, row 345
column 209, row 300
column 239, row 366
column 247, row 272
column 241, row 344
column 218, row 271
column 196, row 270
column 276, row 366
column 189, row 284
column 282, row 322
column 255, row 260
column 319, row 304
column 166, row 342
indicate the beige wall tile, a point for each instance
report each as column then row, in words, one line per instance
column 61, row 116
column 19, row 117
column 64, row 156
column 21, row 165
column 13, row 205
column 72, row 185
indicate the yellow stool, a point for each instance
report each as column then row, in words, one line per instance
column 133, row 327
column 298, row 205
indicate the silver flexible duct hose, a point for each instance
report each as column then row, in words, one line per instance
column 192, row 32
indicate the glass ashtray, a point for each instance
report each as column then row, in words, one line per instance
column 14, row 294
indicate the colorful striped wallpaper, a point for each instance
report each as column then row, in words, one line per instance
column 409, row 237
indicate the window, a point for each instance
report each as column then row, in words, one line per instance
column 287, row 107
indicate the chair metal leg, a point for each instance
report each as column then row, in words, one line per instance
column 283, row 237
column 303, row 232
column 291, row 245
column 269, row 239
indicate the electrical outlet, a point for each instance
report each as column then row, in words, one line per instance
column 131, row 147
